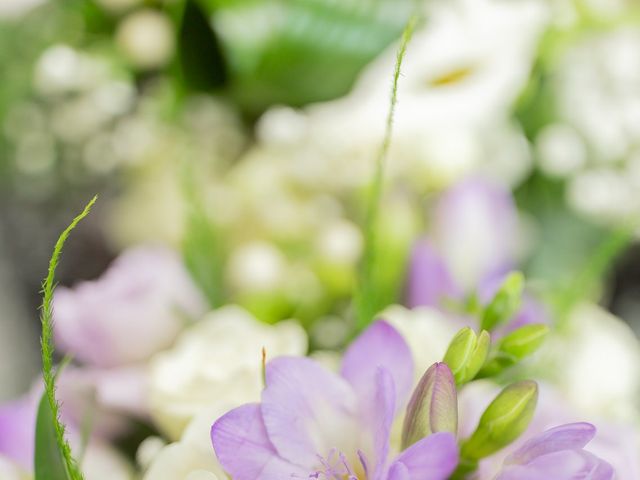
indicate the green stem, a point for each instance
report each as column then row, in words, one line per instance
column 366, row 293
column 47, row 348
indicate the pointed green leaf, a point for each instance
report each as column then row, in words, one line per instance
column 49, row 463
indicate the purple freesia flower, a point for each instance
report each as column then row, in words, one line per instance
column 113, row 324
column 557, row 453
column 17, row 429
column 136, row 308
column 470, row 249
column 313, row 423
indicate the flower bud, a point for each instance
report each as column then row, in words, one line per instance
column 433, row 406
column 467, row 353
column 505, row 303
column 524, row 341
column 504, row 420
column 514, row 347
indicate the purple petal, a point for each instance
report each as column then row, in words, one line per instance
column 243, row 448
column 136, row 308
column 381, row 419
column 379, row 346
column 111, row 395
column 432, row 458
column 17, row 430
column 563, row 465
column 398, row 471
column 572, row 436
column 474, row 227
column 429, row 281
column 308, row 410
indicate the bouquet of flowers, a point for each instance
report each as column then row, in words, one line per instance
column 388, row 273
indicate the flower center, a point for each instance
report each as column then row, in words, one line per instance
column 336, row 466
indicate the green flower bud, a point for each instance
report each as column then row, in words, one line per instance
column 433, row 406
column 504, row 420
column 467, row 353
column 505, row 303
column 524, row 341
column 514, row 347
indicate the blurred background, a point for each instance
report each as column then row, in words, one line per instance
column 244, row 132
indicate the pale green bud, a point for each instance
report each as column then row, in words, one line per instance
column 504, row 420
column 514, row 347
column 467, row 353
column 524, row 341
column 505, row 303
column 433, row 406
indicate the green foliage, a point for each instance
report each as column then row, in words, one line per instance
column 300, row 51
column 201, row 244
column 368, row 294
column 572, row 255
column 51, row 414
column 199, row 61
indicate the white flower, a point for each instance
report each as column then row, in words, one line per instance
column 103, row 462
column 191, row 458
column 594, row 141
column 216, row 365
column 136, row 308
column 14, row 9
column 598, row 363
column 11, row 471
column 459, row 82
column 256, row 266
column 146, row 38
column 426, row 331
column 340, row 242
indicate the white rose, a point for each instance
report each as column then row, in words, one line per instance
column 103, row 462
column 600, row 363
column 191, row 458
column 11, row 471
column 426, row 331
column 216, row 365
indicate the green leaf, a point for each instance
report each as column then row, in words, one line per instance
column 199, row 61
column 49, row 462
column 72, row 472
column 295, row 52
